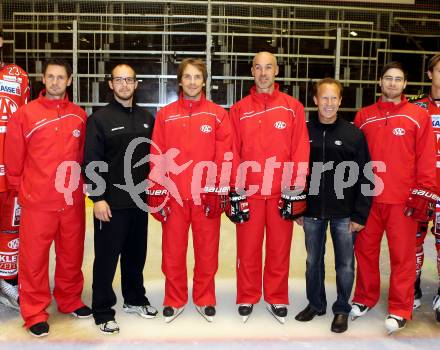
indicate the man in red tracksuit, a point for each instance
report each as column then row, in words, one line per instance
column 270, row 139
column 399, row 135
column 14, row 92
column 42, row 135
column 430, row 102
column 195, row 132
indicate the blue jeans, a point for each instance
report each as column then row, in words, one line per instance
column 315, row 238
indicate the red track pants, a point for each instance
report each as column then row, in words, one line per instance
column 206, row 235
column 250, row 236
column 37, row 232
column 402, row 244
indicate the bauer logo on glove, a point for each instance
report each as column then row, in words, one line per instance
column 214, row 201
column 158, row 206
column 421, row 204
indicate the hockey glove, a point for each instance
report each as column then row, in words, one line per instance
column 157, row 201
column 214, row 201
column 238, row 208
column 421, row 204
column 292, row 205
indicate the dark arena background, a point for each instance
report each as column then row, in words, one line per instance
column 348, row 40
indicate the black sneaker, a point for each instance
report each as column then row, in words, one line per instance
column 82, row 312
column 40, row 329
column 245, row 311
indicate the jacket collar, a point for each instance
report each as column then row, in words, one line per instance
column 121, row 107
column 191, row 104
column 315, row 121
column 390, row 106
column 265, row 98
column 53, row 103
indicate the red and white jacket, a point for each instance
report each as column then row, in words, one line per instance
column 14, row 92
column 433, row 108
column 200, row 131
column 401, row 136
column 267, row 126
column 41, row 135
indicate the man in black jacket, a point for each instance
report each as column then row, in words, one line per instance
column 338, row 155
column 116, row 139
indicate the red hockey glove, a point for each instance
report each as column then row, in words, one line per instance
column 214, row 201
column 421, row 204
column 238, row 208
column 157, row 201
column 292, row 205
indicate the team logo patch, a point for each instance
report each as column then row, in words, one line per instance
column 76, row 133
column 399, row 131
column 338, row 143
column 280, row 125
column 13, row 244
column 7, row 107
column 206, row 128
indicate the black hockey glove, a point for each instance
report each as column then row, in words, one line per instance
column 238, row 208
column 292, row 205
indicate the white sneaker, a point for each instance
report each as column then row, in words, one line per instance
column 109, row 327
column 417, row 303
column 436, row 307
column 436, row 302
column 358, row 310
column 9, row 295
column 394, row 323
column 145, row 311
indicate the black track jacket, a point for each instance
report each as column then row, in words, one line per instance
column 109, row 132
column 337, row 142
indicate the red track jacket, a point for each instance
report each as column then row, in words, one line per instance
column 401, row 136
column 200, row 131
column 428, row 103
column 41, row 135
column 266, row 126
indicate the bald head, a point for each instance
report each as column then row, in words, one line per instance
column 264, row 69
column 264, row 56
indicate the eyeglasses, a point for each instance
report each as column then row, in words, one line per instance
column 120, row 80
column 389, row 78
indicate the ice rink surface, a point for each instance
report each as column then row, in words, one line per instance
column 262, row 331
